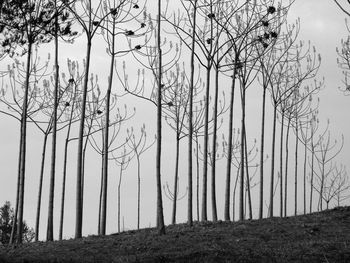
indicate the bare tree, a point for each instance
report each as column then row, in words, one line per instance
column 342, row 183
column 190, row 130
column 139, row 146
column 123, row 162
column 200, row 20
column 159, row 61
column 74, row 81
column 269, row 60
column 296, row 66
column 160, row 216
column 300, row 110
column 247, row 46
column 61, row 28
column 313, row 129
column 54, row 112
column 25, row 24
column 96, row 137
column 326, row 152
column 191, row 12
column 208, row 28
column 176, row 98
column 87, row 16
column 335, row 183
column 305, row 137
column 198, row 131
column 251, row 154
column 121, row 14
column 38, row 101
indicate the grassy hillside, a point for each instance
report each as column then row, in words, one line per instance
column 318, row 237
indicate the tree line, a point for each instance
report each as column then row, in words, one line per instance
column 197, row 61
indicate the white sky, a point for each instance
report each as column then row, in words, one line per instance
column 321, row 23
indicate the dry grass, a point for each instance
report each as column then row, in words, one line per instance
column 319, row 237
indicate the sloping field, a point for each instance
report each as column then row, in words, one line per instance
column 318, row 237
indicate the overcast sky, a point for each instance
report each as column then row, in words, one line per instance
column 321, row 22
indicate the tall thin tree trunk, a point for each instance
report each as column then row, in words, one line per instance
column 160, row 216
column 312, row 169
column 138, row 190
column 205, row 152
column 273, row 160
column 49, row 235
column 43, row 154
column 320, row 201
column 296, row 168
column 281, row 164
column 197, row 177
column 234, row 196
column 176, row 177
column 79, row 201
column 119, row 186
column 213, row 167
column 229, row 151
column 101, row 189
column 241, row 193
column 23, row 147
column 102, row 230
column 304, row 183
column 206, row 124
column 286, row 169
column 262, row 142
column 190, row 128
column 83, row 167
column 14, row 222
column 65, row 159
column 248, row 178
column 205, row 148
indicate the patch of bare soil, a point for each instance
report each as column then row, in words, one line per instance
column 318, row 237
